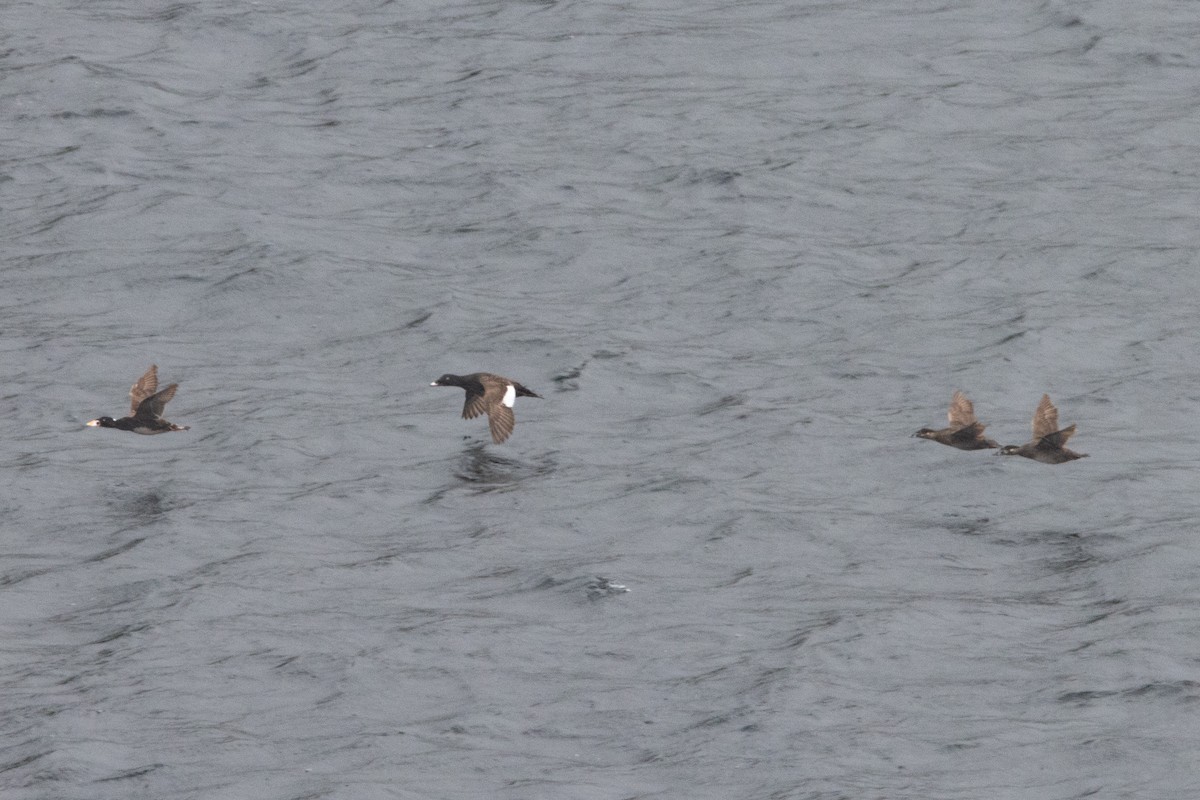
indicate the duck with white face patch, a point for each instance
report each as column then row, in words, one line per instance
column 1049, row 443
column 146, row 409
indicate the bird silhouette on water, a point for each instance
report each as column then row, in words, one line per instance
column 489, row 394
column 146, row 408
column 1048, row 444
column 964, row 431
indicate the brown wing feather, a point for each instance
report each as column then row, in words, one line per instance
column 1057, row 438
column 962, row 412
column 145, row 386
column 476, row 404
column 972, row 431
column 501, row 421
column 1045, row 419
column 154, row 405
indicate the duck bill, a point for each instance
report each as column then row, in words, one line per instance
column 93, row 424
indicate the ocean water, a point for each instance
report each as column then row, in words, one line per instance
column 744, row 251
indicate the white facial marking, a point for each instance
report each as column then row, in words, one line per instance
column 510, row 394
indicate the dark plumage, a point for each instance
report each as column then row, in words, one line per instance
column 146, row 409
column 965, row 432
column 1048, row 442
column 489, row 394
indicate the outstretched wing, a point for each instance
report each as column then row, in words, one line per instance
column 145, row 386
column 501, row 421
column 1057, row 438
column 972, row 431
column 962, row 412
column 152, row 407
column 1045, row 419
column 476, row 404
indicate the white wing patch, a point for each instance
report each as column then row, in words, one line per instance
column 510, row 395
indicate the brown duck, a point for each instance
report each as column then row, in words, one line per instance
column 1048, row 441
column 489, row 394
column 964, row 432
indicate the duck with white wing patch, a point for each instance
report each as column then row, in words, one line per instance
column 489, row 394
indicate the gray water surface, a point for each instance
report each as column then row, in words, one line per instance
column 744, row 250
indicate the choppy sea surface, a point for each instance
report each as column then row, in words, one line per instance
column 744, row 250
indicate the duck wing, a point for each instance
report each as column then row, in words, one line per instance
column 501, row 421
column 477, row 402
column 1058, row 439
column 1045, row 419
column 145, row 386
column 962, row 411
column 152, row 407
